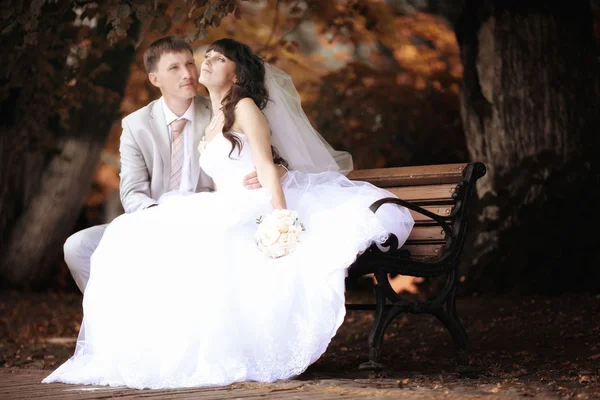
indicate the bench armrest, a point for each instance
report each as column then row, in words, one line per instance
column 438, row 218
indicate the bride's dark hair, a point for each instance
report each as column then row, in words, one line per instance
column 250, row 74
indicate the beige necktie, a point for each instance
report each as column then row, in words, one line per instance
column 177, row 127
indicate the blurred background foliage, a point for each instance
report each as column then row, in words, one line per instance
column 378, row 81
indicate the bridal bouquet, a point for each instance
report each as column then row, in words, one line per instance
column 278, row 233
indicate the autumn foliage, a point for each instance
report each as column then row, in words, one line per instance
column 381, row 85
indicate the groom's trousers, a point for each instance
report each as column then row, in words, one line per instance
column 78, row 250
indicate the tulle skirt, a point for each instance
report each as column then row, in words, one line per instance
column 179, row 295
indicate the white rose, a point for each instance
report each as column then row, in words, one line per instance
column 283, row 228
column 297, row 236
column 276, row 250
column 284, row 239
column 289, row 221
column 269, row 237
column 291, row 243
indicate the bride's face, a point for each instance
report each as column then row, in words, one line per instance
column 217, row 70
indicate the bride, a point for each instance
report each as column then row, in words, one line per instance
column 181, row 296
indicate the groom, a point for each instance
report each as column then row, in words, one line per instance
column 158, row 146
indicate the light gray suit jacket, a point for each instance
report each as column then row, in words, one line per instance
column 146, row 154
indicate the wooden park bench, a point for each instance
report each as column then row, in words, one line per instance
column 439, row 198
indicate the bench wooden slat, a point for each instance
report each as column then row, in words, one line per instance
column 427, row 233
column 410, row 176
column 431, row 193
column 423, row 250
column 442, row 210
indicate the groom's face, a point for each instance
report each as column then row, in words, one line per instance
column 176, row 75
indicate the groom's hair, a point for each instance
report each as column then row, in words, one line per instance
column 169, row 44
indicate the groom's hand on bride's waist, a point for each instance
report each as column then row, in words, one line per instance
column 251, row 180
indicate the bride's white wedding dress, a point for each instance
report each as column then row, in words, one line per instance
column 180, row 295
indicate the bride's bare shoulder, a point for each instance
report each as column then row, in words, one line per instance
column 246, row 105
column 247, row 114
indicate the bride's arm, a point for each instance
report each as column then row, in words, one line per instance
column 253, row 124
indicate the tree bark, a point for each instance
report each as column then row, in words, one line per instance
column 529, row 104
column 20, row 173
column 41, row 220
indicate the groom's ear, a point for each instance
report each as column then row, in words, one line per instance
column 153, row 78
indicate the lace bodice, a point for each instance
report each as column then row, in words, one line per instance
column 227, row 172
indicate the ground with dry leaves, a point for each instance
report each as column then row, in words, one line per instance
column 520, row 346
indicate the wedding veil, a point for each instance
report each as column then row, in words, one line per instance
column 293, row 136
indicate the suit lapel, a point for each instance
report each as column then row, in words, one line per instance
column 201, row 118
column 161, row 134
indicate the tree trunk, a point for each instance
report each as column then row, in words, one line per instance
column 20, row 173
column 40, row 222
column 529, row 103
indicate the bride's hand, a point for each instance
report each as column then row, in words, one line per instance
column 251, row 180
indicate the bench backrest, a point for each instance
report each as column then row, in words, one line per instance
column 445, row 190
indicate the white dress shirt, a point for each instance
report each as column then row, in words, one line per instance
column 186, row 171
